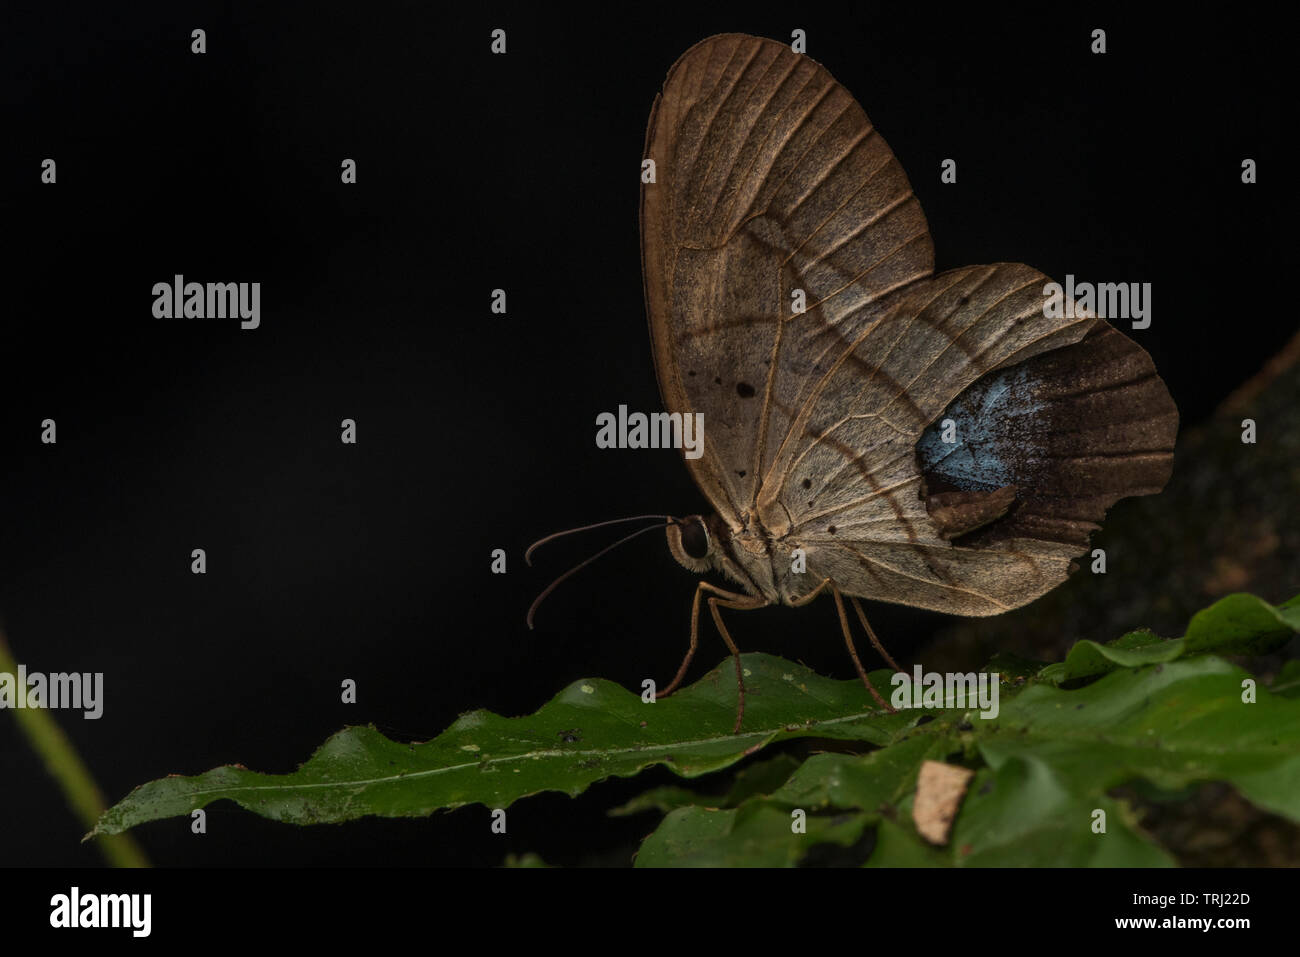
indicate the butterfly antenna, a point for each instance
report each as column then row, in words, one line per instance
column 528, row 555
column 581, row 565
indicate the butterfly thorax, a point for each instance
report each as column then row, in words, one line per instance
column 751, row 555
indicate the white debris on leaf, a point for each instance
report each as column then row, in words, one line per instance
column 939, row 790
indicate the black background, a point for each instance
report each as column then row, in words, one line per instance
column 476, row 431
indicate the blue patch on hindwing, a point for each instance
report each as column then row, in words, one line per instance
column 995, row 434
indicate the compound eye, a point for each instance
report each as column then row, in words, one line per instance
column 695, row 539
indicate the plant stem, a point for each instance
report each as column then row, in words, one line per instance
column 65, row 765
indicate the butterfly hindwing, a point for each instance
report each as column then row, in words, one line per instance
column 1076, row 428
column 1044, row 447
column 848, row 484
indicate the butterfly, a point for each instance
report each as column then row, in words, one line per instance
column 872, row 429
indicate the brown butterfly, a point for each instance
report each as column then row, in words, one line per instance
column 930, row 440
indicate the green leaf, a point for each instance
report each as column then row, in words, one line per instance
column 1052, row 756
column 839, row 795
column 1172, row 724
column 1158, row 716
column 592, row 730
column 1023, row 814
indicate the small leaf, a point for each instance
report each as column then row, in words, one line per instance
column 761, row 777
column 1236, row 625
column 1242, row 624
column 1287, row 683
column 757, row 834
column 661, row 799
column 524, row 860
column 869, row 782
column 1132, row 650
column 898, row 847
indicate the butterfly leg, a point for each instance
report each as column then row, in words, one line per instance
column 848, row 635
column 745, row 602
column 725, row 599
column 853, row 652
column 871, row 633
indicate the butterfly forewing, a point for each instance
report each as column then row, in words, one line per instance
column 770, row 179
